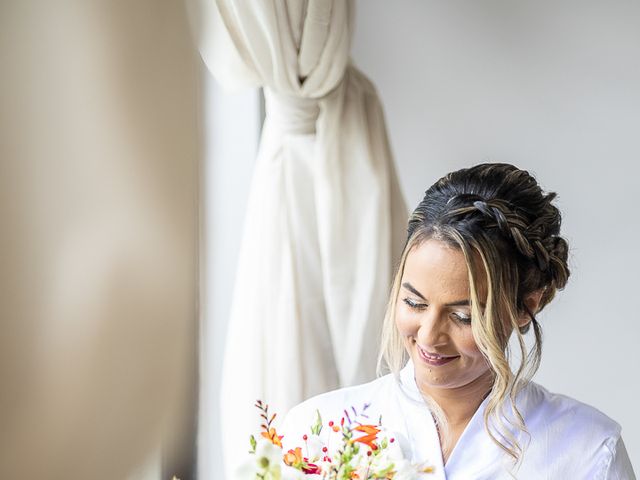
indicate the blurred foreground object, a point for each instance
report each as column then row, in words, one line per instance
column 98, row 210
column 325, row 216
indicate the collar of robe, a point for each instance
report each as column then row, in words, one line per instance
column 474, row 450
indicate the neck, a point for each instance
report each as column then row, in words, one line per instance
column 460, row 403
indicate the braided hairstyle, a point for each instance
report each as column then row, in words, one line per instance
column 509, row 232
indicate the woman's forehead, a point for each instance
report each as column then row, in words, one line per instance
column 439, row 269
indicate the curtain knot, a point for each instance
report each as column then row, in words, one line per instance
column 290, row 113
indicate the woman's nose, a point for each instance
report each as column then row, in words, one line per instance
column 433, row 331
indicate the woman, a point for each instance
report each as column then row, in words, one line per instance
column 483, row 257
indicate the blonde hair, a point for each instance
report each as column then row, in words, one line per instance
column 508, row 232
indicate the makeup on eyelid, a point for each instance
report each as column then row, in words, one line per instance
column 462, row 318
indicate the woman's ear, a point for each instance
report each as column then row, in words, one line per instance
column 532, row 302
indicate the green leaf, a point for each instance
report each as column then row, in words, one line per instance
column 317, row 426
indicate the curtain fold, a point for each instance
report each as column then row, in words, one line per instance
column 325, row 218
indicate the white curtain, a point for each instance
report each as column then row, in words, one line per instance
column 325, row 218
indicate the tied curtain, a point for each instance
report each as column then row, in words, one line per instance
column 325, row 219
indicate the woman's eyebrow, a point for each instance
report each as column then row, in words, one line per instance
column 457, row 303
column 409, row 287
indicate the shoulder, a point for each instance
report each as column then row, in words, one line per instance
column 558, row 411
column 572, row 437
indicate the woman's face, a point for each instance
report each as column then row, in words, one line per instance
column 433, row 315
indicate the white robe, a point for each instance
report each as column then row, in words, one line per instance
column 569, row 440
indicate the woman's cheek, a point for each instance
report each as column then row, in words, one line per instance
column 406, row 324
column 468, row 345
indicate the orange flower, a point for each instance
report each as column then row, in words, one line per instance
column 293, row 457
column 371, row 434
column 273, row 436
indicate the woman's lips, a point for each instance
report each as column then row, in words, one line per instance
column 435, row 360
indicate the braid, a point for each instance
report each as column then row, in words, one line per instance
column 536, row 240
column 513, row 226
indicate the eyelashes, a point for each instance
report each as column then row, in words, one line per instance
column 414, row 306
column 419, row 307
column 462, row 319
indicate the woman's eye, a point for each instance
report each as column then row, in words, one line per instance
column 414, row 306
column 462, row 318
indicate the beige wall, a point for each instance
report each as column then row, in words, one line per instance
column 98, row 208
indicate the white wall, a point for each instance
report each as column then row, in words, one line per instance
column 553, row 87
column 232, row 126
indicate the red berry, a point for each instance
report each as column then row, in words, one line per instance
column 392, row 440
column 324, row 449
column 331, row 423
column 304, row 437
column 369, row 453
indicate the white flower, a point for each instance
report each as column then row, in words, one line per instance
column 266, row 461
column 266, row 449
column 390, row 456
column 404, row 470
column 393, row 451
column 314, row 445
column 290, row 473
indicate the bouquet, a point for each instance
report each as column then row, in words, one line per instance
column 352, row 448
